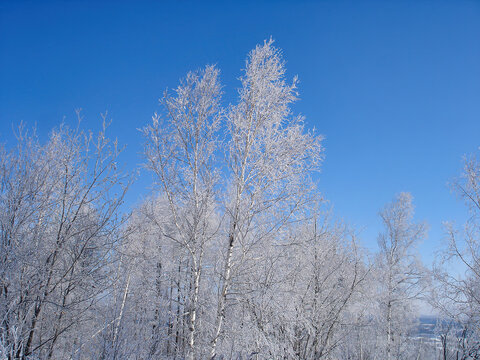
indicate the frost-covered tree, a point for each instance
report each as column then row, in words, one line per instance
column 59, row 225
column 328, row 284
column 180, row 151
column 270, row 158
column 399, row 277
column 457, row 296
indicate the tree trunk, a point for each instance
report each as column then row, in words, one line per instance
column 223, row 295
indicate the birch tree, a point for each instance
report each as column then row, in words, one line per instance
column 58, row 222
column 333, row 275
column 399, row 275
column 457, row 293
column 180, row 150
column 270, row 159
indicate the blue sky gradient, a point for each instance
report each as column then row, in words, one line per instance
column 394, row 86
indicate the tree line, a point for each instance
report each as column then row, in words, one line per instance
column 234, row 255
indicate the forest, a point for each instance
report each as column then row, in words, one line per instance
column 235, row 253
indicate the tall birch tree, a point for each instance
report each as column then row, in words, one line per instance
column 399, row 274
column 270, row 159
column 180, row 150
column 457, row 293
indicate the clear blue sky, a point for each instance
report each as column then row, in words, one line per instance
column 393, row 85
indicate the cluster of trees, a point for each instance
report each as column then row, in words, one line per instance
column 233, row 256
